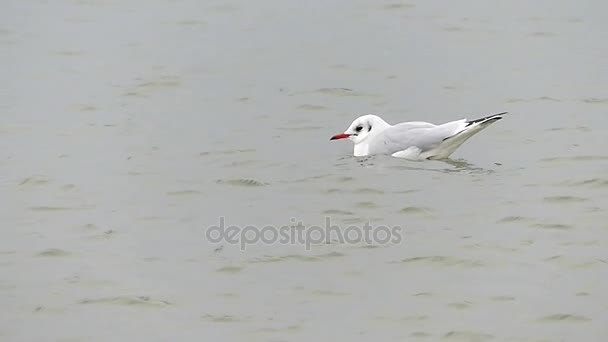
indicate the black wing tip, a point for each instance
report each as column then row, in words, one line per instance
column 492, row 117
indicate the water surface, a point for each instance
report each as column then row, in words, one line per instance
column 130, row 127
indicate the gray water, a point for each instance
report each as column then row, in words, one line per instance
column 129, row 127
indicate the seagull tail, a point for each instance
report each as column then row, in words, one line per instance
column 451, row 143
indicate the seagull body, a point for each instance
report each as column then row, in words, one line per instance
column 412, row 140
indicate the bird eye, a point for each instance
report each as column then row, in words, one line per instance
column 359, row 128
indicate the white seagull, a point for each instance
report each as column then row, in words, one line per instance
column 412, row 140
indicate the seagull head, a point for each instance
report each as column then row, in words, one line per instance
column 362, row 128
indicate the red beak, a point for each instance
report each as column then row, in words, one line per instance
column 340, row 136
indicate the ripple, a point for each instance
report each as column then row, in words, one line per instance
column 420, row 334
column 49, row 208
column 331, row 255
column 573, row 263
column 508, row 219
column 68, row 53
column 245, row 182
column 308, row 179
column 230, row 269
column 335, row 92
column 337, row 212
column 184, row 193
column 408, row 191
column 542, row 98
column 459, row 305
column 415, row 210
column 453, row 29
column 454, row 167
column 394, row 319
column 133, row 93
column 415, row 318
column 68, row 187
column 329, row 293
column 34, row 180
column 470, row 336
column 311, row 107
column 242, row 163
column 369, row 191
column 574, row 158
column 225, row 152
column 224, row 318
column 48, row 310
column 89, row 226
column 333, row 191
column 298, row 257
column 229, row 295
column 103, row 236
column 367, row 205
column 542, row 34
column 397, row 6
column 595, row 100
column 442, row 261
column 354, row 220
column 564, row 199
column 581, row 243
column 369, row 246
column 127, row 301
column 54, row 252
column 557, row 226
column 564, row 318
column 561, row 129
column 169, row 82
column 589, row 182
column 289, row 328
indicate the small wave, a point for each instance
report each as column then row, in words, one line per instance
column 241, row 182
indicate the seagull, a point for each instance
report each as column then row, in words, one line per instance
column 415, row 140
